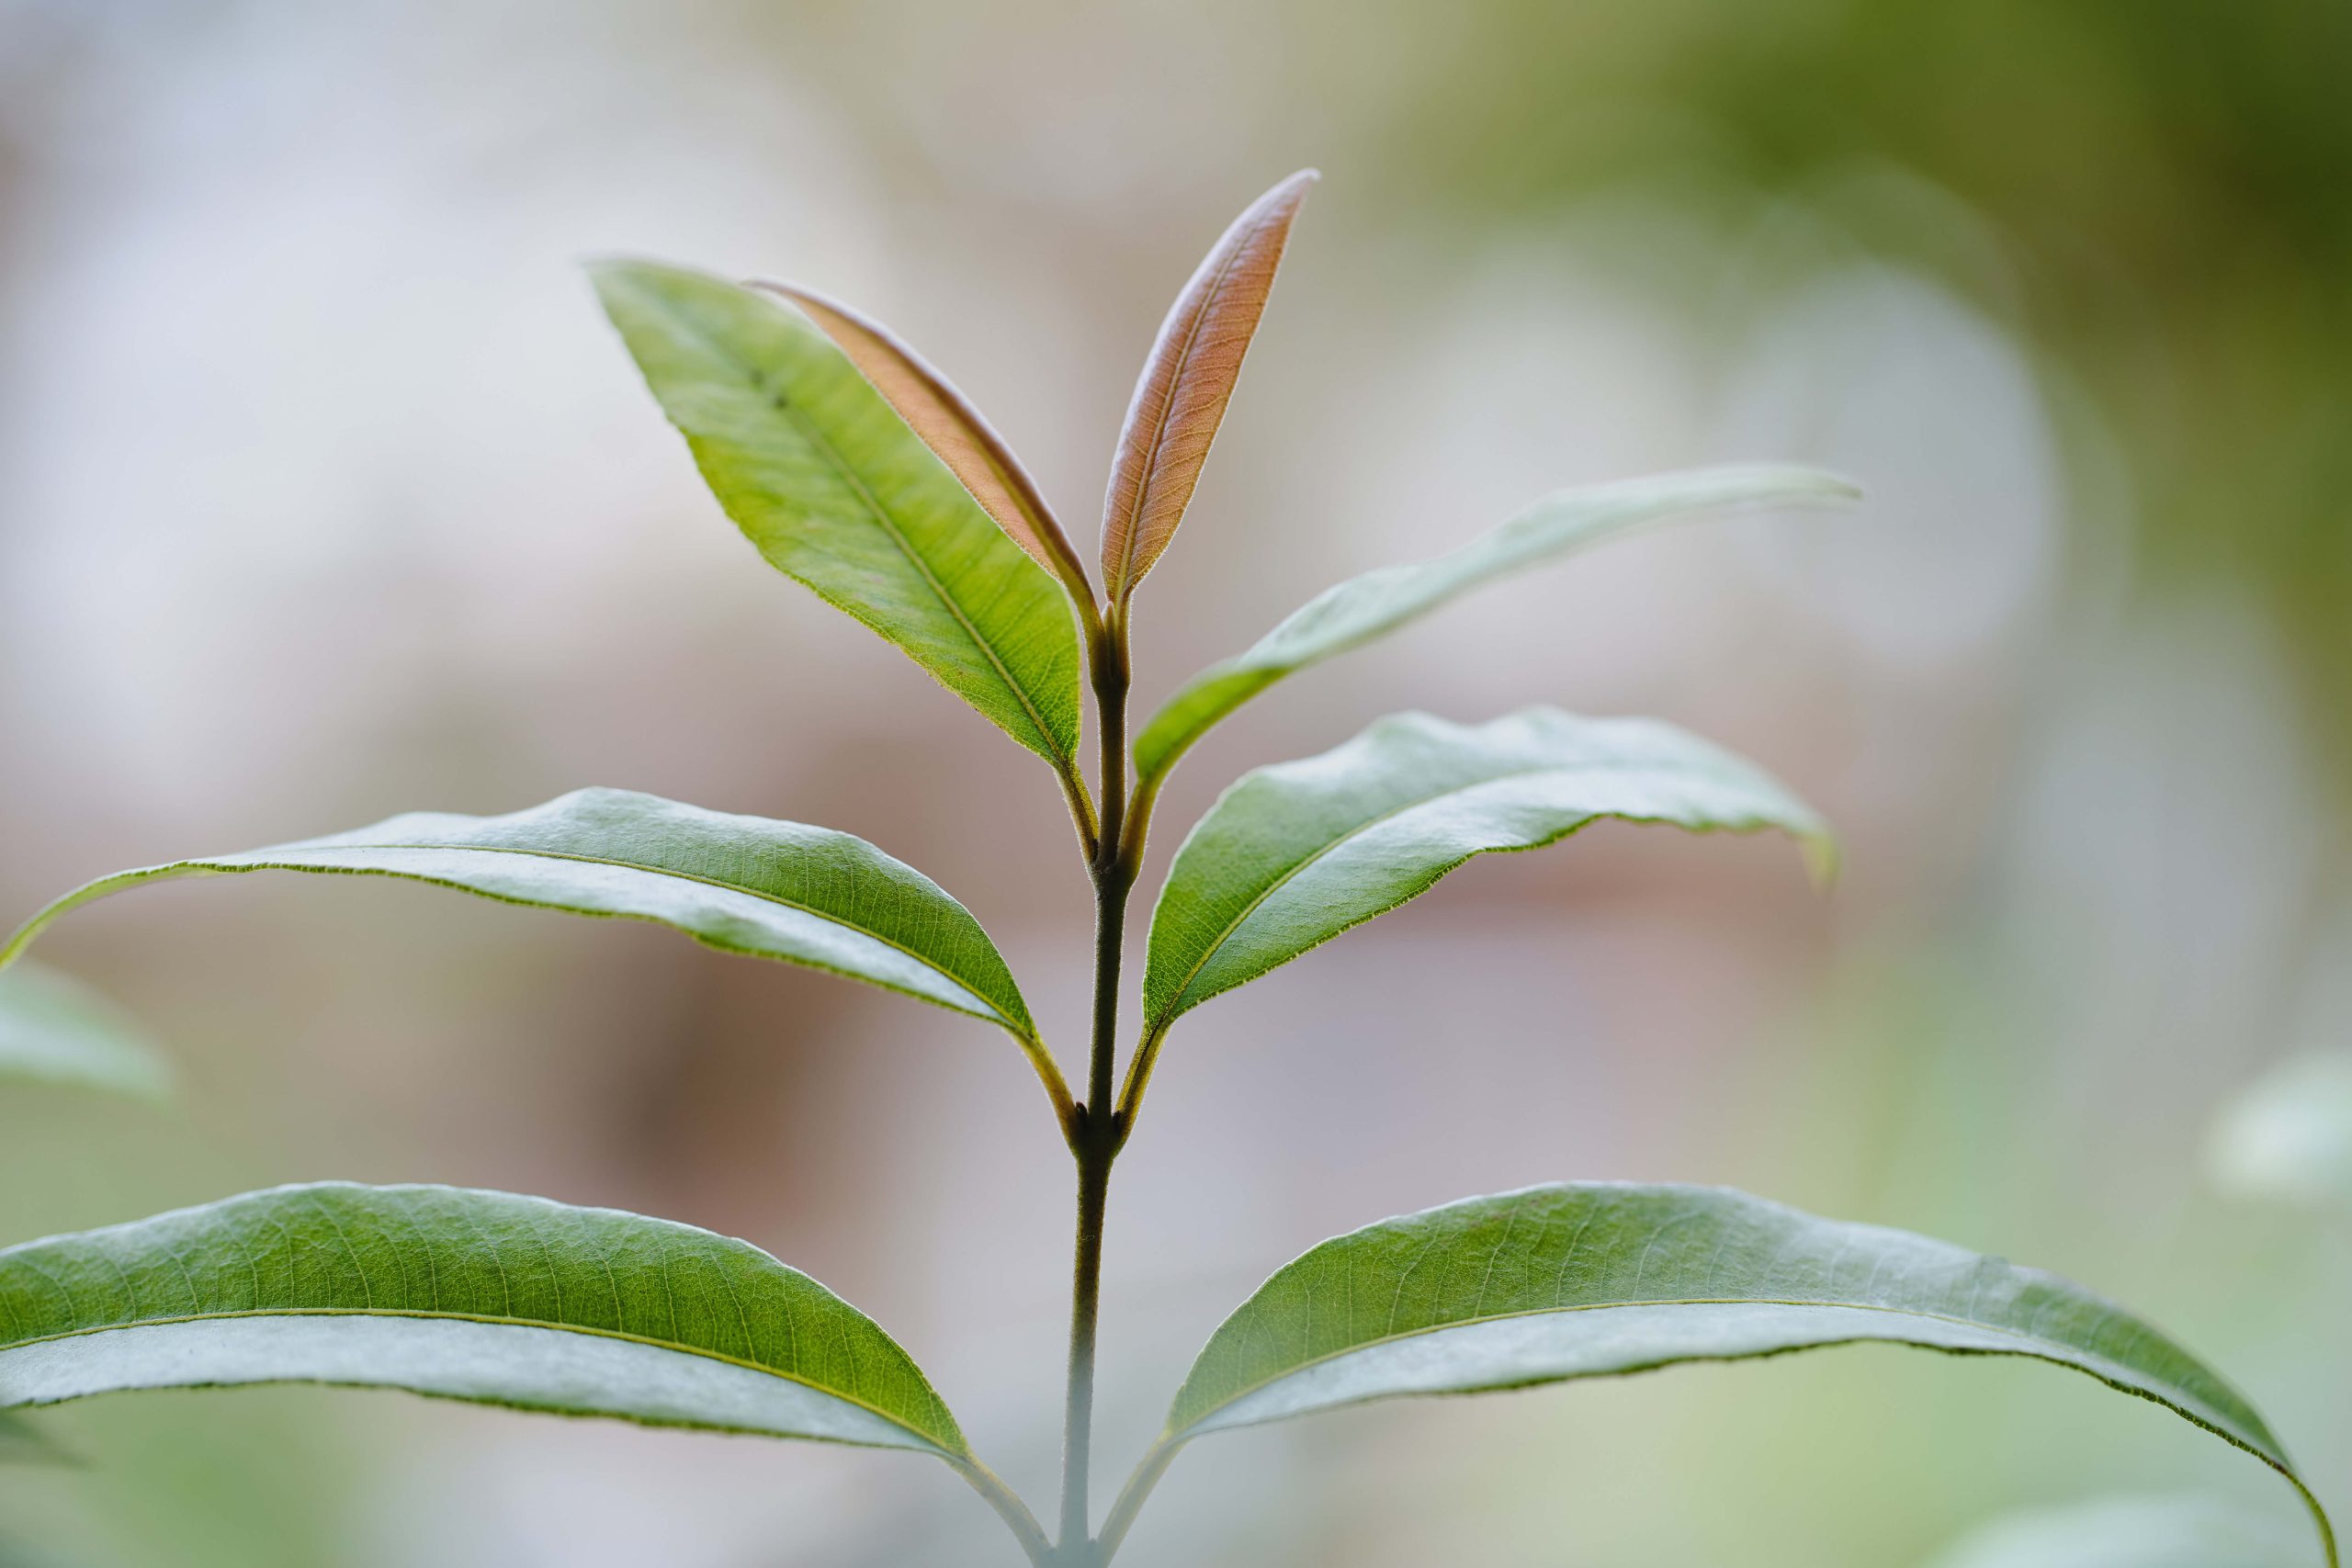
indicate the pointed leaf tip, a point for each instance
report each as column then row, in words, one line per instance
column 1296, row 853
column 1378, row 602
column 744, row 884
column 827, row 480
column 471, row 1295
column 1187, row 381
column 1601, row 1278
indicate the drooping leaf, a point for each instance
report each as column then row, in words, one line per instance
column 826, row 478
column 744, row 884
column 1293, row 855
column 1180, row 400
column 2132, row 1532
column 1591, row 1279
column 936, row 410
column 55, row 1030
column 1355, row 612
column 481, row 1296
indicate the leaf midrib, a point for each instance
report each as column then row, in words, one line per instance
column 540, row 1325
column 777, row 899
column 1167, row 416
column 756, row 377
column 1293, row 873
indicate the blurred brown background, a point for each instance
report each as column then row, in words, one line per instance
column 324, row 492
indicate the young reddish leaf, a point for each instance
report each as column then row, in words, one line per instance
column 937, row 410
column 1187, row 381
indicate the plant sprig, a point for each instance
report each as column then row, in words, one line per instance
column 858, row 468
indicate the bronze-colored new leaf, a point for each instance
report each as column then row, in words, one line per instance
column 937, row 410
column 1181, row 398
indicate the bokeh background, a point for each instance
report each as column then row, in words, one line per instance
column 324, row 492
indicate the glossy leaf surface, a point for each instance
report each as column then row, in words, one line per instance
column 826, row 478
column 937, row 410
column 1293, row 855
column 1356, row 611
column 746, row 885
column 480, row 1296
column 1187, row 380
column 55, row 1030
column 1594, row 1280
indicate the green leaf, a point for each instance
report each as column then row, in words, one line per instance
column 480, row 1296
column 55, row 1030
column 1355, row 612
column 744, row 884
column 2131, row 1532
column 1293, row 855
column 1593, row 1280
column 821, row 474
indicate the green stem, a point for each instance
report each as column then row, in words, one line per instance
column 1096, row 1129
column 1077, row 1415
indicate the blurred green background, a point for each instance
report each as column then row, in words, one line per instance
column 325, row 493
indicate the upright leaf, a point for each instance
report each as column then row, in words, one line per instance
column 937, row 410
column 1293, row 855
column 481, row 1296
column 826, row 478
column 744, row 884
column 1355, row 612
column 56, row 1030
column 1180, row 399
column 1591, row 1279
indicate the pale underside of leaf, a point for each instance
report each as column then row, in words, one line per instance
column 1602, row 1278
column 820, row 472
column 744, row 884
column 1295, row 854
column 1353, row 612
column 480, row 1296
column 937, row 410
column 1187, row 380
column 54, row 1030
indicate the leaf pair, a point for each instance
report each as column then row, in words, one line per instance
column 1288, row 858
column 862, row 471
column 502, row 1300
